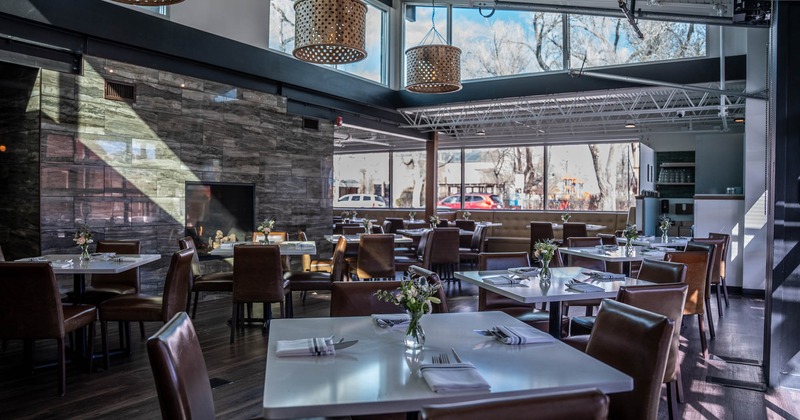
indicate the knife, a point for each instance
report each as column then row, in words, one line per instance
column 344, row 344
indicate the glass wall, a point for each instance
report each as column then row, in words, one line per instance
column 600, row 177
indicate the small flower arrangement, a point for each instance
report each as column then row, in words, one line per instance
column 467, row 215
column 565, row 217
column 434, row 220
column 345, row 214
column 545, row 249
column 83, row 237
column 353, row 214
column 417, row 296
column 412, row 215
column 266, row 226
column 664, row 222
column 630, row 232
column 367, row 224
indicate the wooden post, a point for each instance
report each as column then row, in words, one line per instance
column 431, row 174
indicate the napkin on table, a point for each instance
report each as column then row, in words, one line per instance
column 605, row 275
column 584, row 287
column 322, row 346
column 520, row 335
column 499, row 280
column 391, row 320
column 453, row 377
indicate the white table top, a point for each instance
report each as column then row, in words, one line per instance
column 655, row 241
column 96, row 265
column 377, row 375
column 398, row 239
column 287, row 248
column 557, row 291
column 638, row 253
column 418, row 232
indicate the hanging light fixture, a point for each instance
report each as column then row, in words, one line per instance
column 433, row 66
column 330, row 31
column 149, row 2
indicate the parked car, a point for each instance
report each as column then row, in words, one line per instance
column 360, row 201
column 479, row 201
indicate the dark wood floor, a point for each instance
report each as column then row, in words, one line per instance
column 127, row 390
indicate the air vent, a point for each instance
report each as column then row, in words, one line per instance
column 310, row 124
column 117, row 91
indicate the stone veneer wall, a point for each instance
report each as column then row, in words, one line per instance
column 19, row 163
column 121, row 167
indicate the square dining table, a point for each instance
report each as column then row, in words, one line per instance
column 378, row 375
column 554, row 292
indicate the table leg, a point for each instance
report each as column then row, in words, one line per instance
column 555, row 319
column 626, row 268
column 78, row 287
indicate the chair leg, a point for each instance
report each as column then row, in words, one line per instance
column 303, row 296
column 703, row 342
column 719, row 299
column 672, row 404
column 194, row 307
column 90, row 351
column 710, row 316
column 234, row 319
column 141, row 330
column 121, row 334
column 725, row 291
column 104, row 339
column 129, row 347
column 589, row 310
column 679, row 385
column 62, row 366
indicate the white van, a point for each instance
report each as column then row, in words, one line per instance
column 360, row 201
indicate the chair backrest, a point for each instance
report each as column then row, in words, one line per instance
column 433, row 278
column 337, row 261
column 713, row 251
column 257, row 274
column 418, row 225
column 478, row 242
column 580, row 404
column 176, row 285
column 502, row 260
column 396, row 223
column 666, row 299
column 540, row 231
column 188, row 243
column 719, row 249
column 607, row 238
column 723, row 263
column 585, row 262
column 338, row 228
column 636, row 342
column 352, row 230
column 357, row 298
column 375, row 257
column 464, row 224
column 184, row 391
column 696, row 271
column 423, row 245
column 662, row 271
column 30, row 301
column 387, row 226
column 443, row 223
column 127, row 277
column 442, row 247
column 574, row 229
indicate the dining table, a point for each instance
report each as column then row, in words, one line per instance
column 288, row 248
column 398, row 239
column 378, row 375
column 555, row 291
column 589, row 227
column 657, row 241
column 616, row 254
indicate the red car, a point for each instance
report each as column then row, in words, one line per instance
column 478, row 201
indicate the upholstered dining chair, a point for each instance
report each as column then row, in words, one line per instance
column 375, row 257
column 306, row 281
column 395, row 223
column 713, row 249
column 352, row 229
column 637, row 343
column 720, row 244
column 723, row 266
column 696, row 272
column 572, row 229
column 441, row 253
column 477, row 245
column 212, row 282
column 402, row 262
column 357, row 298
column 540, row 231
column 149, row 308
column 258, row 278
column 589, row 404
column 433, row 279
column 464, row 224
column 179, row 370
column 32, row 309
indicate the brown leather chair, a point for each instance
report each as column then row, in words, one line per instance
column 403, row 262
column 580, row 404
column 637, row 343
column 572, row 229
column 32, row 309
column 540, row 231
column 357, row 298
column 148, row 308
column 464, row 224
column 184, row 390
column 375, row 257
column 476, row 246
column 395, row 224
column 433, row 278
column 352, row 230
column 106, row 286
column 199, row 282
column 666, row 299
column 713, row 249
column 305, row 281
column 723, row 266
column 441, row 253
column 720, row 242
column 696, row 272
column 258, row 277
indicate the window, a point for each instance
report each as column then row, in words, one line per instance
column 357, row 175
column 281, row 38
column 345, row 198
column 356, row 198
column 408, row 185
column 367, row 198
column 512, row 176
column 449, row 174
column 507, row 43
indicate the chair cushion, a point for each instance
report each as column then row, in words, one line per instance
column 578, row 341
column 204, row 284
column 137, row 307
column 325, row 265
column 308, row 280
column 76, row 316
column 110, row 289
column 582, row 325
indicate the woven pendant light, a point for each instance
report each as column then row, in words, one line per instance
column 330, row 31
column 433, row 66
column 149, row 2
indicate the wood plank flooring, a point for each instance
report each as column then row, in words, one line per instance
column 128, row 391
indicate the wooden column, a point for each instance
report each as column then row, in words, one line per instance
column 431, row 174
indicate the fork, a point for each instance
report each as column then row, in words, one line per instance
column 441, row 359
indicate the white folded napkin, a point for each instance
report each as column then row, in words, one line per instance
column 305, row 347
column 61, row 263
column 454, row 377
column 391, row 320
column 127, row 259
column 584, row 287
column 524, row 271
column 500, row 280
column 520, row 335
column 607, row 276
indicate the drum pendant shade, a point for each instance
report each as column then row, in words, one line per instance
column 330, row 31
column 433, row 68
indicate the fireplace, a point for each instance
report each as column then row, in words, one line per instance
column 218, row 212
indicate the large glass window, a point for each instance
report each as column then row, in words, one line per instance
column 512, row 175
column 507, row 43
column 361, row 180
column 449, row 194
column 605, row 41
column 408, row 188
column 281, row 38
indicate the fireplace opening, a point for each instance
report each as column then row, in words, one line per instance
column 218, row 213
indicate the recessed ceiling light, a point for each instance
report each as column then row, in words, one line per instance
column 630, row 124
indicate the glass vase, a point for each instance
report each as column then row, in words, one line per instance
column 664, row 237
column 544, row 273
column 628, row 248
column 415, row 335
column 84, row 252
